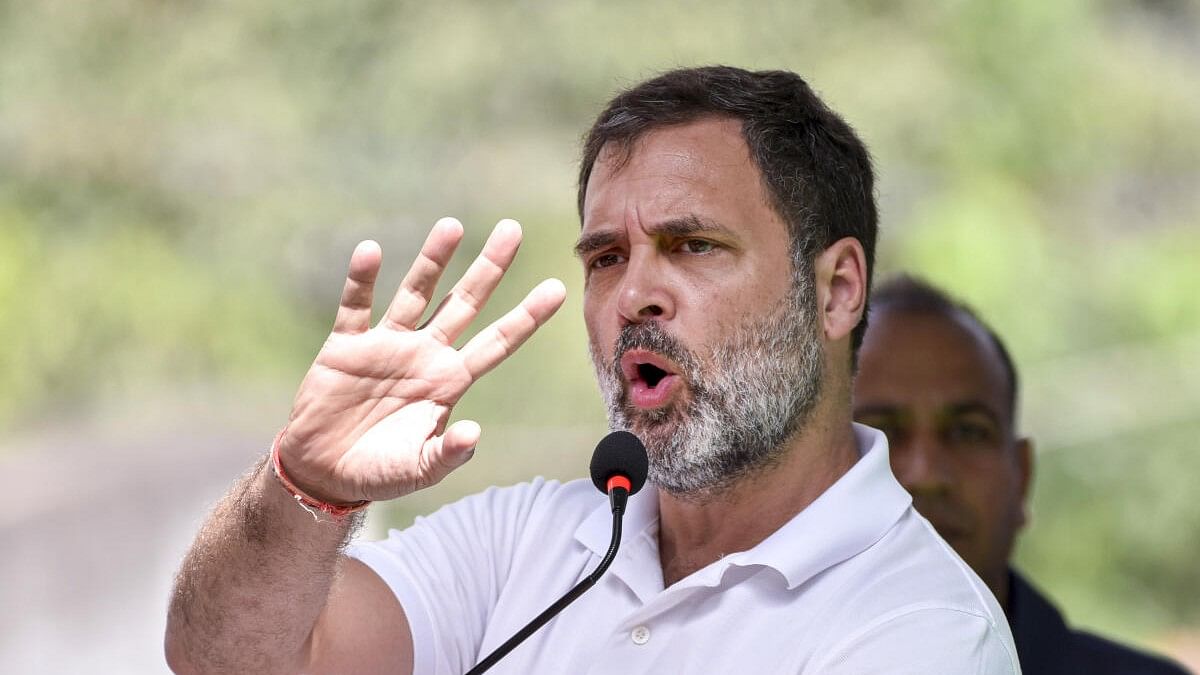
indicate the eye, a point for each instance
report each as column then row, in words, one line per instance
column 968, row 432
column 605, row 260
column 697, row 246
column 888, row 424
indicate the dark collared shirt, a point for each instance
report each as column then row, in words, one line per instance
column 1047, row 646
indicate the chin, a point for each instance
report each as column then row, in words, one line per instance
column 653, row 433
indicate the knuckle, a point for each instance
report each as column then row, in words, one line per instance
column 467, row 296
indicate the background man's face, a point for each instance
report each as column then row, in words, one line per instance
column 935, row 385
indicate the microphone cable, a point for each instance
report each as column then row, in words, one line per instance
column 619, row 467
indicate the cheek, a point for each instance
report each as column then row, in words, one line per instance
column 992, row 492
column 734, row 291
column 592, row 305
column 597, row 330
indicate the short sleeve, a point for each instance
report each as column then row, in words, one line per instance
column 448, row 568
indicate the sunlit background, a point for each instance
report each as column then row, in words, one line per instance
column 181, row 184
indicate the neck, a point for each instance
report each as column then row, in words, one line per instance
column 695, row 531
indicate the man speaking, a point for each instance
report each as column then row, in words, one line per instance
column 728, row 231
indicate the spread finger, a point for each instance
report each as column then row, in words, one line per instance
column 419, row 283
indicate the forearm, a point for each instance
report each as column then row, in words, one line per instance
column 254, row 583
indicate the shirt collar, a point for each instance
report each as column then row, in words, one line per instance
column 850, row 516
column 641, row 518
column 637, row 564
column 1038, row 629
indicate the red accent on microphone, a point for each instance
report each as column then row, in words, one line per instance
column 616, row 481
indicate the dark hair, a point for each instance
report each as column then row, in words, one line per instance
column 911, row 295
column 816, row 171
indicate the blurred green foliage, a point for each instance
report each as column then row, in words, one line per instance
column 182, row 182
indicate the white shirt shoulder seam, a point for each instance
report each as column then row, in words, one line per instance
column 846, row 643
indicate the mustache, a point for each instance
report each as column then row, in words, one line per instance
column 652, row 337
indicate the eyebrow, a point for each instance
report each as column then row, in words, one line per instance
column 591, row 242
column 872, row 410
column 970, row 407
column 675, row 227
column 953, row 410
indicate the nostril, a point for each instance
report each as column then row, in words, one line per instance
column 652, row 310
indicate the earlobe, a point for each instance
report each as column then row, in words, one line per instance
column 841, row 274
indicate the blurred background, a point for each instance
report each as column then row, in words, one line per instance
column 181, row 184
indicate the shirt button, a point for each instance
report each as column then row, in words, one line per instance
column 640, row 635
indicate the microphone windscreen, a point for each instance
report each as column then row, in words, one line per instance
column 620, row 453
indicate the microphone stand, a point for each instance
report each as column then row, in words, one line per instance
column 617, row 498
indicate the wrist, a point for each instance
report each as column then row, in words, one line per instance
column 307, row 501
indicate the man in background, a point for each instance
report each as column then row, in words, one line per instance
column 939, row 382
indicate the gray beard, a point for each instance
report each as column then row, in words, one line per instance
column 748, row 395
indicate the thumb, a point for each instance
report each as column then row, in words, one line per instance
column 459, row 442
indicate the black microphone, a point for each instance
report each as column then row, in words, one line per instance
column 619, row 467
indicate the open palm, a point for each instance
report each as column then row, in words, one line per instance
column 370, row 418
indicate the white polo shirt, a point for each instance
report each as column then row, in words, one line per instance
column 857, row 583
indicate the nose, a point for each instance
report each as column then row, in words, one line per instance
column 922, row 466
column 644, row 294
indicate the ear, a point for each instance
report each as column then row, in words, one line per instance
column 1024, row 459
column 841, row 276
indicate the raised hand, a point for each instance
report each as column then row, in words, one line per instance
column 370, row 418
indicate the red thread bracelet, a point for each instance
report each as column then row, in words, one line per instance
column 306, row 501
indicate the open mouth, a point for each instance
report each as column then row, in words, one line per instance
column 651, row 374
column 652, row 379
